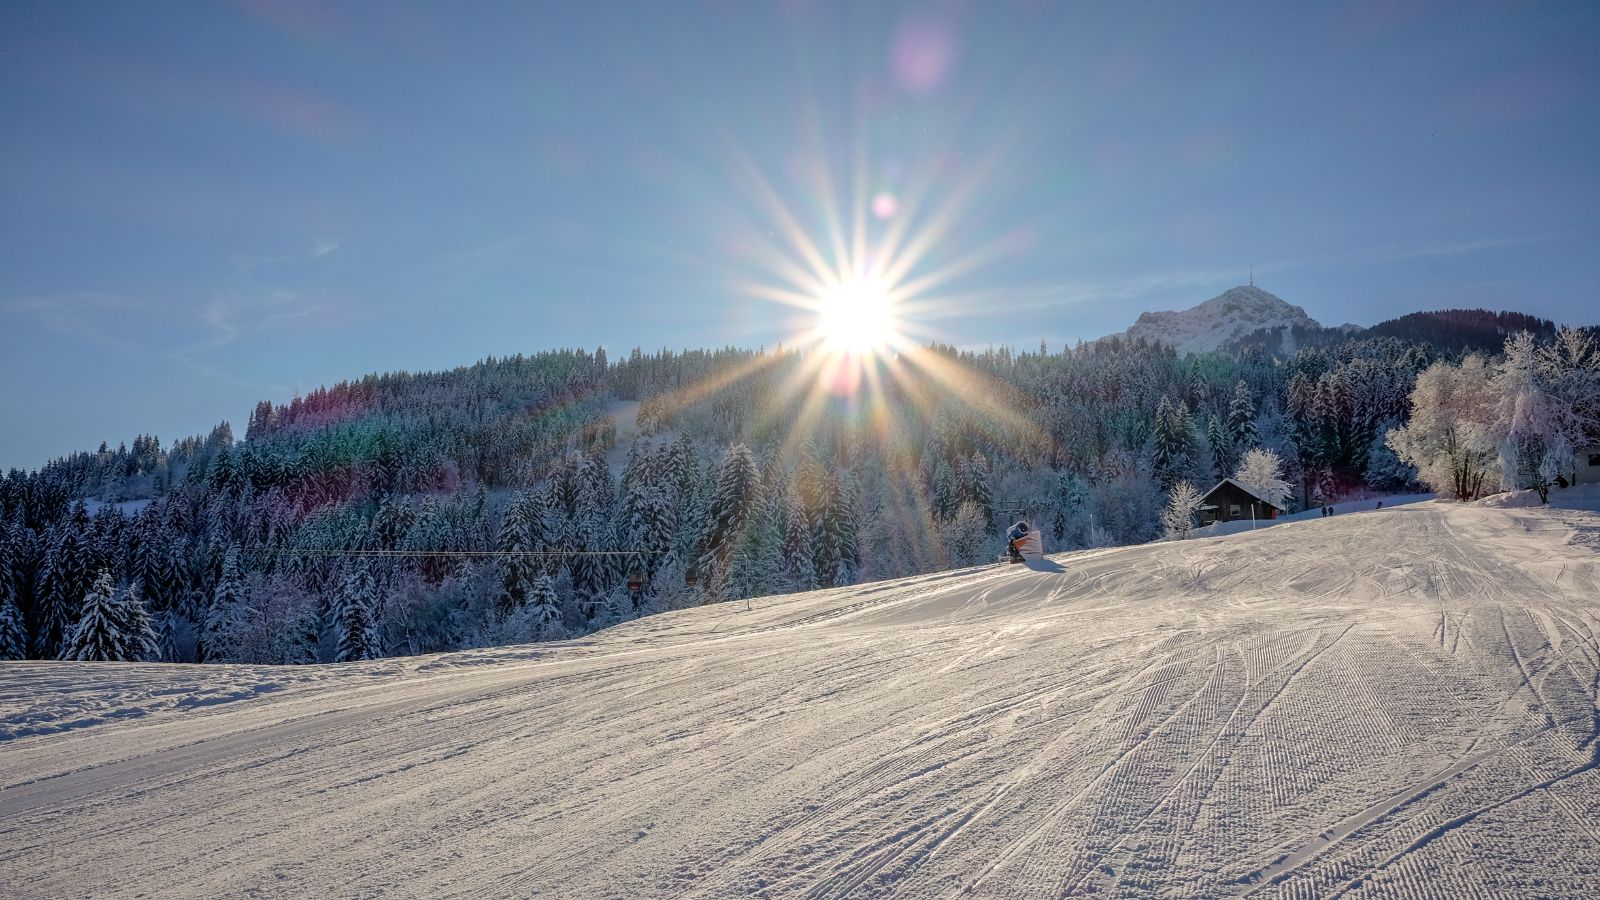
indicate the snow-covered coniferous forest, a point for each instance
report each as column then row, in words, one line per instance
column 504, row 502
column 794, row 449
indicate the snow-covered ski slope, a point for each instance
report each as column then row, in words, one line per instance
column 1383, row 704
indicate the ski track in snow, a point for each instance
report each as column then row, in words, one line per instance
column 1399, row 703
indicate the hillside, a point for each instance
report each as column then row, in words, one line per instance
column 1229, row 316
column 1382, row 704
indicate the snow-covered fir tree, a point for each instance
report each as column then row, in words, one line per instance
column 227, row 616
column 1223, row 456
column 517, row 561
column 418, row 462
column 1068, row 520
column 1242, row 420
column 1175, row 443
column 13, row 632
column 112, row 626
column 356, row 632
column 799, row 573
column 543, row 604
column 737, row 492
column 97, row 634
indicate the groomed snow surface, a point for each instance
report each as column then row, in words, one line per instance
column 1399, row 703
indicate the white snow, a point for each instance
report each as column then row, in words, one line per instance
column 1342, row 507
column 1225, row 317
column 128, row 507
column 1399, row 703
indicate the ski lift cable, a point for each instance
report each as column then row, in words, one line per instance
column 474, row 553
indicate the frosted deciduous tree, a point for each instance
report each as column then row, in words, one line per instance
column 1526, row 415
column 1177, row 519
column 1548, row 403
column 1451, row 436
column 1261, row 472
column 965, row 535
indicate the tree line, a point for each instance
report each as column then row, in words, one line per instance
column 419, row 512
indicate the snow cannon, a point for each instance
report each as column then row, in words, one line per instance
column 1029, row 546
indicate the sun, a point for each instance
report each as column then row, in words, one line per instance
column 857, row 317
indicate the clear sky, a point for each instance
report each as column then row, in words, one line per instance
column 207, row 204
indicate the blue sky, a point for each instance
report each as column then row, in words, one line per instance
column 210, row 204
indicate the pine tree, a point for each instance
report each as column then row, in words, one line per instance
column 543, row 605
column 98, row 635
column 226, row 617
column 744, row 576
column 983, row 495
column 13, row 633
column 62, row 586
column 518, row 565
column 353, row 617
column 297, row 645
column 1242, row 420
column 838, row 562
column 1175, row 443
column 1222, row 450
column 142, row 641
column 737, row 490
column 945, row 498
column 593, row 572
column 797, row 553
column 649, row 525
column 1070, row 501
column 112, row 626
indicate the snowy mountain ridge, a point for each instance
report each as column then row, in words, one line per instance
column 1228, row 316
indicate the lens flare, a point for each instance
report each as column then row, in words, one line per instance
column 884, row 205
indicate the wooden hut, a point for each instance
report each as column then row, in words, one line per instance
column 1230, row 501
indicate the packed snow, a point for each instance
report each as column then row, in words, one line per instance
column 1339, row 508
column 1393, row 703
column 1228, row 316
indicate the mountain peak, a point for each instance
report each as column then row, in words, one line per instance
column 1231, row 314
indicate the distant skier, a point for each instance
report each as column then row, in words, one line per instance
column 1015, row 539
